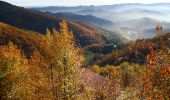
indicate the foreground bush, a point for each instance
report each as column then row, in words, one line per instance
column 142, row 81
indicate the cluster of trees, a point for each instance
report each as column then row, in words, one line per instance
column 135, row 52
column 50, row 72
column 34, row 66
column 134, row 81
column 51, row 69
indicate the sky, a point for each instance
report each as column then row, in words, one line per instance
column 30, row 3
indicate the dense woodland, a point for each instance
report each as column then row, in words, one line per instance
column 53, row 69
column 57, row 66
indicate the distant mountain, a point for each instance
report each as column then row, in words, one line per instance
column 141, row 28
column 141, row 10
column 131, row 20
column 116, row 12
column 39, row 21
column 56, row 9
column 142, row 23
column 126, row 6
column 88, row 19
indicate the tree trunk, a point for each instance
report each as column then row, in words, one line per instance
column 52, row 82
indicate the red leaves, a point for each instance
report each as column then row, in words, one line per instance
column 146, row 87
column 151, row 58
column 158, row 28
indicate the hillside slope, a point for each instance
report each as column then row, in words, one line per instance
column 39, row 21
column 25, row 40
column 136, row 52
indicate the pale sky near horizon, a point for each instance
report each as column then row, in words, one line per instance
column 28, row 3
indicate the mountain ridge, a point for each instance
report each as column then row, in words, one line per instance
column 38, row 21
column 89, row 19
column 104, row 5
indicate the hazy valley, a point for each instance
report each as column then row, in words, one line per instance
column 120, row 16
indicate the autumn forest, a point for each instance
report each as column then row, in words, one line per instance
column 46, row 54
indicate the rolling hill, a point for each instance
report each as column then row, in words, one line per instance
column 141, row 28
column 38, row 21
column 135, row 19
column 99, row 23
column 116, row 12
column 88, row 19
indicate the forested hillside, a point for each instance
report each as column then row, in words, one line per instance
column 137, row 51
column 51, row 66
column 25, row 40
column 43, row 57
column 52, row 57
column 39, row 22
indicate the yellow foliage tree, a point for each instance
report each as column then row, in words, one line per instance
column 95, row 69
column 64, row 59
column 14, row 78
